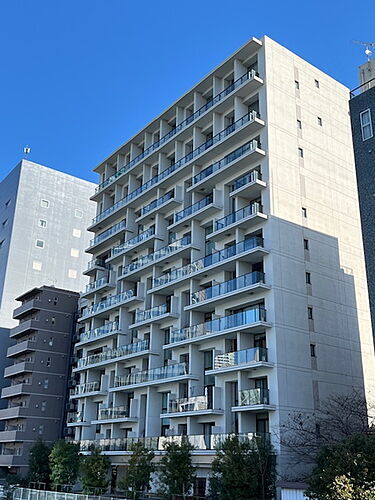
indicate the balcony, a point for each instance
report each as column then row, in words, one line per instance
column 192, row 406
column 95, row 265
column 26, row 308
column 217, row 142
column 113, row 355
column 102, row 331
column 101, row 284
column 249, row 216
column 110, row 303
column 199, row 210
column 21, row 347
column 253, row 319
column 19, row 368
column 153, row 376
column 248, row 76
column 16, row 411
column 16, row 389
column 157, row 256
column 75, row 419
column 250, row 250
column 25, row 326
column 249, row 185
column 114, row 414
column 106, row 235
column 161, row 204
column 202, row 299
column 153, row 315
column 253, row 400
column 12, row 457
column 253, row 357
column 87, row 389
column 135, row 242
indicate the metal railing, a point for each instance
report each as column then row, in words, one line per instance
column 247, row 76
column 208, row 260
column 194, row 403
column 252, row 355
column 228, row 286
column 98, row 332
column 95, row 262
column 148, row 314
column 110, row 302
column 158, row 254
column 246, row 179
column 85, row 388
column 156, row 203
column 112, row 354
column 193, row 208
column 258, row 396
column 248, row 117
column 133, row 241
column 153, row 374
column 112, row 413
column 252, row 315
column 90, row 287
column 362, row 88
column 109, row 232
column 236, row 216
column 75, row 417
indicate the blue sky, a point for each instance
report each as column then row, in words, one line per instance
column 79, row 77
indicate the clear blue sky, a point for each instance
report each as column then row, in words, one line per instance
column 79, row 77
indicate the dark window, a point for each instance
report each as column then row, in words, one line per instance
column 308, row 278
column 312, row 351
column 310, row 312
column 306, row 244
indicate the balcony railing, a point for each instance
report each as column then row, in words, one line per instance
column 247, row 76
column 109, row 232
column 252, row 176
column 99, row 332
column 148, row 314
column 11, row 451
column 208, row 260
column 85, row 388
column 153, row 374
column 193, row 208
column 95, row 262
column 251, row 209
column 112, row 413
column 228, row 286
column 110, row 302
column 195, row 403
column 159, row 254
column 90, row 287
column 252, row 397
column 200, row 441
column 252, row 355
column 237, row 320
column 75, row 417
column 112, row 354
column 249, row 117
column 218, row 165
column 156, row 203
column 133, row 241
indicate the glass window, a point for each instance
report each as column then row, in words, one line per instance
column 78, row 213
column 77, row 233
column 37, row 265
column 310, row 312
column 44, row 203
column 366, row 125
column 74, row 252
column 306, row 244
column 312, row 350
column 317, row 84
column 320, row 121
column 39, row 243
column 72, row 273
column 42, row 223
column 308, row 278
column 300, row 152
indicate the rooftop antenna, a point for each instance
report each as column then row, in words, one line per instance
column 368, row 51
column 26, row 151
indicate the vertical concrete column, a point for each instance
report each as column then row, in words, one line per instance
column 134, row 150
column 180, row 114
column 198, row 137
column 153, row 409
column 148, row 139
column 179, row 150
column 164, row 127
column 217, row 123
column 199, row 101
column 238, row 68
column 217, row 85
column 239, row 108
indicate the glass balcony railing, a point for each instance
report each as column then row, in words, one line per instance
column 246, row 179
column 247, row 76
column 218, row 165
column 236, row 216
column 154, row 312
column 95, row 262
column 252, row 355
column 249, row 117
column 133, row 241
column 113, row 413
column 112, row 354
column 252, row 397
column 163, row 372
column 110, row 302
column 193, row 208
column 99, row 332
column 85, row 388
column 109, row 232
column 237, row 320
column 90, row 287
column 195, row 403
column 158, row 254
column 75, row 417
column 208, row 260
column 156, row 203
column 200, row 441
column 228, row 286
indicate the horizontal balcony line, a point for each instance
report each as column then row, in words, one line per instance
column 101, row 331
column 120, row 226
column 109, row 303
column 152, row 375
column 128, row 244
column 113, row 354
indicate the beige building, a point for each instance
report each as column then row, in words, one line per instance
column 227, row 283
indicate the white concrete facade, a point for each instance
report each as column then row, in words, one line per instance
column 228, row 283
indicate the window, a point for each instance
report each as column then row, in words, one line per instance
column 299, row 124
column 312, row 351
column 78, row 213
column 74, row 252
column 44, row 203
column 304, row 212
column 72, row 273
column 37, row 265
column 53, row 320
column 5, row 222
column 317, row 84
column 296, row 82
column 43, row 405
column 77, row 233
column 39, row 243
column 366, row 124
column 308, row 278
column 48, row 363
column 310, row 312
column 300, row 152
column 306, row 244
column 45, row 385
column 320, row 121
column 7, row 203
column 42, row 223
column 41, row 429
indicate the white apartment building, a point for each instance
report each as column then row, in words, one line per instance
column 227, row 283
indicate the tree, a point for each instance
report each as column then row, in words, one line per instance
column 39, row 470
column 139, row 470
column 64, row 463
column 93, row 472
column 244, row 470
column 345, row 468
column 177, row 473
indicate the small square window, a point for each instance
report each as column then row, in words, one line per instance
column 308, row 278
column 74, row 252
column 44, row 203
column 312, row 351
column 37, row 265
column 306, row 244
column 42, row 223
column 7, row 203
column 296, row 83
column 304, row 212
column 310, row 312
column 78, row 213
column 77, row 233
column 72, row 273
column 317, row 84
column 5, row 222
column 320, row 121
column 2, row 243
column 300, row 152
column 299, row 124
column 39, row 243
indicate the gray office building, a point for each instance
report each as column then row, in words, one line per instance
column 38, row 376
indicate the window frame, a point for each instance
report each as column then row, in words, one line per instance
column 364, row 125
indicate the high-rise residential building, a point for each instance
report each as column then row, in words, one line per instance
column 228, row 285
column 362, row 110
column 38, row 376
column 44, row 216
